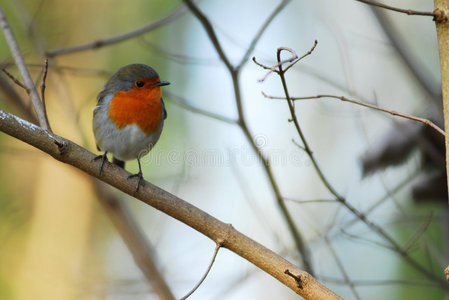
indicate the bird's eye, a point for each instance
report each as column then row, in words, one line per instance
column 140, row 83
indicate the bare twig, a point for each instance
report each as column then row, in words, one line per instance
column 121, row 37
column 43, row 86
column 15, row 80
column 404, row 11
column 345, row 99
column 20, row 63
column 217, row 248
column 222, row 233
column 235, row 72
column 273, row 68
column 302, row 57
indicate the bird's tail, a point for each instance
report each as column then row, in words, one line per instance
column 118, row 162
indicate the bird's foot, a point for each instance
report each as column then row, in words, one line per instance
column 141, row 181
column 103, row 158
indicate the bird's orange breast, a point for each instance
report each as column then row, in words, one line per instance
column 140, row 106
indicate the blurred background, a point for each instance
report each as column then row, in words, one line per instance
column 56, row 242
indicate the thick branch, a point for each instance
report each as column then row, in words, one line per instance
column 221, row 233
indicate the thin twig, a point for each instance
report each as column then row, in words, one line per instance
column 311, row 201
column 303, row 56
column 293, row 60
column 20, row 63
column 404, row 11
column 121, row 37
column 43, row 86
column 344, row 99
column 15, row 80
column 217, row 248
column 279, row 63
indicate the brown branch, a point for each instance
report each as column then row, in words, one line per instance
column 217, row 248
column 404, row 11
column 120, row 37
column 20, row 63
column 221, row 233
column 344, row 99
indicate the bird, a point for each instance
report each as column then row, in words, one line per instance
column 129, row 116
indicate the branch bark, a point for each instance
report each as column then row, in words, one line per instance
column 223, row 234
column 443, row 47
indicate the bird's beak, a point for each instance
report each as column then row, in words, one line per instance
column 161, row 83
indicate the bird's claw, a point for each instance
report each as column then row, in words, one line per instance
column 141, row 181
column 103, row 158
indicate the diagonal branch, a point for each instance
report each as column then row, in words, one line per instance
column 221, row 233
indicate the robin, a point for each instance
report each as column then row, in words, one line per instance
column 129, row 116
